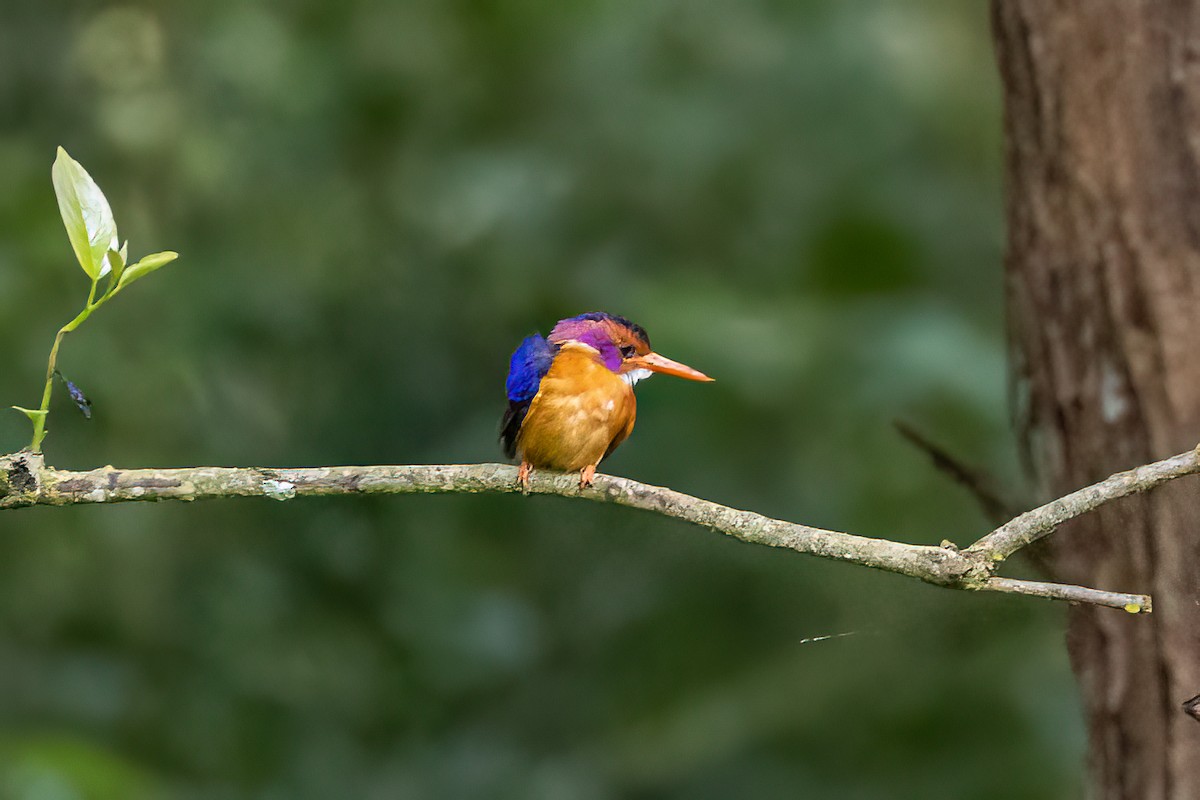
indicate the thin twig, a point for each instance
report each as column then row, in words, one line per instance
column 980, row 484
column 1133, row 603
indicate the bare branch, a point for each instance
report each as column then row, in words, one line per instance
column 980, row 484
column 1133, row 603
column 26, row 481
column 1041, row 521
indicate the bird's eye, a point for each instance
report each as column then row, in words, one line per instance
column 627, row 351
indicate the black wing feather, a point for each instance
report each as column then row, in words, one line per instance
column 510, row 426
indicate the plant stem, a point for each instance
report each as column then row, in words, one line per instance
column 39, row 423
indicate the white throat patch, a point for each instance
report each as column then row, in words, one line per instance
column 635, row 375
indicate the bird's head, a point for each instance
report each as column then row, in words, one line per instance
column 623, row 346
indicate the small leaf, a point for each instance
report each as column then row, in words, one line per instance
column 85, row 213
column 117, row 262
column 145, row 266
column 29, row 412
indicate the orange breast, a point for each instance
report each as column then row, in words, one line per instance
column 581, row 412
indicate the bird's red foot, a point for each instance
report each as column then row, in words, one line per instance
column 586, row 476
column 523, row 476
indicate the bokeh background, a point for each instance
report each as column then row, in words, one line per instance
column 374, row 201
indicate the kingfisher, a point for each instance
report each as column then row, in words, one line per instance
column 570, row 395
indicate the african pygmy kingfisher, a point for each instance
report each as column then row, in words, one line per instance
column 570, row 395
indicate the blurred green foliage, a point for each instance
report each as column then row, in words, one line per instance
column 374, row 202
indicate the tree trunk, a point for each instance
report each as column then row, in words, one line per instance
column 1102, row 131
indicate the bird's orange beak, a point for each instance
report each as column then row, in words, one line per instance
column 656, row 363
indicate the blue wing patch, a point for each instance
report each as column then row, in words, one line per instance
column 528, row 366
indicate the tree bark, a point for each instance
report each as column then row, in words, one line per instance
column 1102, row 131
